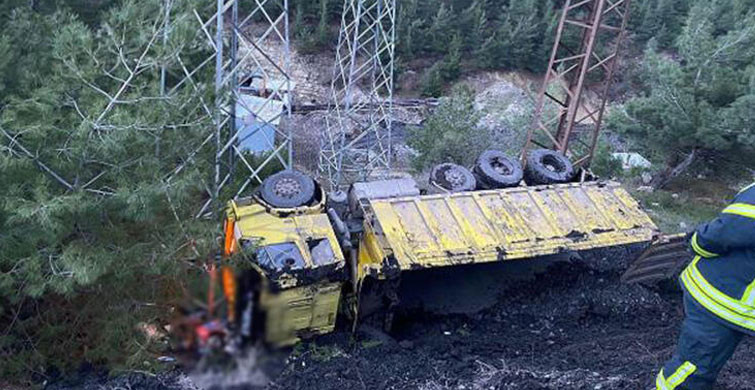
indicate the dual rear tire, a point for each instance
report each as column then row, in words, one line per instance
column 494, row 170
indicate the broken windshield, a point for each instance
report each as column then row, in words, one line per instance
column 280, row 256
column 322, row 251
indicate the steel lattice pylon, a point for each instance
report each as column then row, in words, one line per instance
column 572, row 126
column 357, row 140
column 252, row 92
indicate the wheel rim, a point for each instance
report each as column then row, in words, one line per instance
column 455, row 178
column 287, row 188
column 552, row 164
column 500, row 167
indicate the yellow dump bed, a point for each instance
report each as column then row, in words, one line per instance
column 507, row 224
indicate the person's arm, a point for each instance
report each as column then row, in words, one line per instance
column 734, row 229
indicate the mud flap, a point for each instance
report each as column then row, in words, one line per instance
column 663, row 259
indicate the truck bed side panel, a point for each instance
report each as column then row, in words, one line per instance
column 515, row 223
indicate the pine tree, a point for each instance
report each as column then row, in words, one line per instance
column 646, row 20
column 474, row 22
column 440, row 31
column 516, row 35
column 539, row 60
column 322, row 25
column 450, row 134
column 451, row 65
column 104, row 242
column 670, row 16
column 443, row 73
column 697, row 104
column 410, row 29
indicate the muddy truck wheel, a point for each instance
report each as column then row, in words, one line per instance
column 453, row 178
column 548, row 167
column 494, row 169
column 288, row 189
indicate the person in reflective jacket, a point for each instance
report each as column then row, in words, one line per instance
column 719, row 297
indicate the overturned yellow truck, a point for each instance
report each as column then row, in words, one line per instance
column 298, row 270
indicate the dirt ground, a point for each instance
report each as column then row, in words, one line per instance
column 573, row 326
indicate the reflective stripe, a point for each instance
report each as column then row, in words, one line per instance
column 715, row 307
column 714, row 293
column 743, row 209
column 660, row 382
column 681, row 375
column 714, row 300
column 745, row 306
column 699, row 249
column 748, row 298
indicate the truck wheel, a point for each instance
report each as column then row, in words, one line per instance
column 452, row 177
column 548, row 167
column 482, row 185
column 288, row 189
column 497, row 170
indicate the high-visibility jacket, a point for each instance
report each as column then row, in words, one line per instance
column 721, row 278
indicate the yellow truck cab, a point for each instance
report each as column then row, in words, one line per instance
column 297, row 265
column 307, row 265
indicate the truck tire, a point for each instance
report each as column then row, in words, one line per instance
column 288, row 189
column 497, row 170
column 453, row 178
column 548, row 167
column 481, row 184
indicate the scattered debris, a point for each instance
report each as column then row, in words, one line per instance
column 647, row 178
column 632, row 160
column 647, row 189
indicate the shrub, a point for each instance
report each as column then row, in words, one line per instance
column 451, row 133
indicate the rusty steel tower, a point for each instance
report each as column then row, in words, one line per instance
column 357, row 140
column 565, row 118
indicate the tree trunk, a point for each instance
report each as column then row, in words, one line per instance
column 663, row 178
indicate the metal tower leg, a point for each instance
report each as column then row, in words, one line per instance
column 572, row 125
column 252, row 91
column 357, row 139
